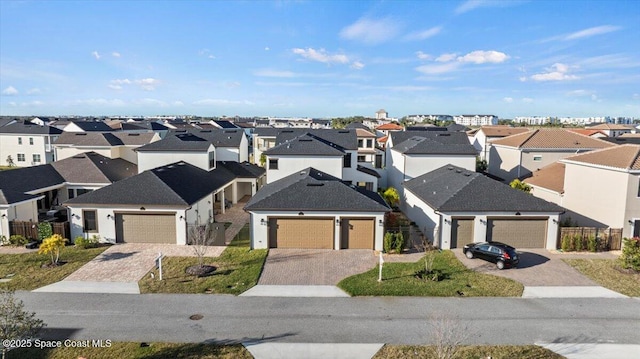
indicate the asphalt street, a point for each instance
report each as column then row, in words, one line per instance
column 394, row 320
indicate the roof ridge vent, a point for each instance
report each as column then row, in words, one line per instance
column 458, row 171
column 315, row 184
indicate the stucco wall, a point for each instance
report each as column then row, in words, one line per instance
column 9, row 147
column 632, row 211
column 150, row 160
column 67, row 152
column 291, row 164
column 419, row 165
column 260, row 230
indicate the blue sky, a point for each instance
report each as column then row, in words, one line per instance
column 320, row 58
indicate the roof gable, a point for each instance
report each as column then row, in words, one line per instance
column 306, row 144
column 625, row 157
column 551, row 139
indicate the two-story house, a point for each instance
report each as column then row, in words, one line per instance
column 612, row 129
column 26, row 144
column 109, row 144
column 481, row 137
column 600, row 188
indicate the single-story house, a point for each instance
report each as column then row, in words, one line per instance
column 312, row 209
column 454, row 206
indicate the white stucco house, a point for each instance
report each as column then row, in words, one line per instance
column 27, row 144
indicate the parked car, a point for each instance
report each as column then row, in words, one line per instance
column 503, row 255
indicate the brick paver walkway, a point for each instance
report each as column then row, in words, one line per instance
column 129, row 262
column 238, row 218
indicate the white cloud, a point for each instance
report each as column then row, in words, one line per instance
column 481, row 57
column 206, row 53
column 321, row 56
column 232, row 84
column 274, row 73
column 96, row 55
column 101, row 102
column 578, row 93
column 150, row 102
column 527, row 100
column 267, row 48
column 178, row 103
column 508, row 99
column 371, row 31
column 557, row 72
column 218, row 102
column 357, row 65
column 476, row 4
column 10, row 91
column 422, row 56
column 34, row 91
column 438, row 69
column 523, row 78
column 148, row 84
column 115, row 54
column 594, row 97
column 636, row 96
column 446, row 57
column 593, row 31
column 424, row 34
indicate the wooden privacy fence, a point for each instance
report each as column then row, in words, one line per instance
column 30, row 229
column 609, row 239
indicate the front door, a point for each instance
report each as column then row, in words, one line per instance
column 636, row 228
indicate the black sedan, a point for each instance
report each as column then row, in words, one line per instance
column 503, row 255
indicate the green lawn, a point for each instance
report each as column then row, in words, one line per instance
column 468, row 352
column 399, row 279
column 238, row 270
column 4, row 168
column 28, row 273
column 127, row 350
column 606, row 273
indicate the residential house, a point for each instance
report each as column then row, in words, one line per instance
column 332, row 151
column 590, row 133
column 454, row 206
column 612, row 129
column 481, row 137
column 381, row 114
column 35, row 193
column 385, row 129
column 313, row 209
column 109, row 144
column 87, row 126
column 27, row 144
column 628, row 138
column 600, row 188
column 517, row 156
column 413, row 153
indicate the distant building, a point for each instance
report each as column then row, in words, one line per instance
column 423, row 118
column 476, row 120
column 381, row 114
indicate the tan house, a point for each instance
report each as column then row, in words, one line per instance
column 612, row 129
column 519, row 155
column 599, row 188
column 481, row 137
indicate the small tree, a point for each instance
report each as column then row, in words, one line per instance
column 52, row 246
column 391, row 196
column 15, row 322
column 481, row 165
column 519, row 185
column 448, row 335
column 44, row 230
column 263, row 159
column 198, row 236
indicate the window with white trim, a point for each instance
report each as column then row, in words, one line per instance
column 537, row 158
column 20, row 157
column 36, row 158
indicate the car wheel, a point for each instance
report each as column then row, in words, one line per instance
column 469, row 254
column 500, row 264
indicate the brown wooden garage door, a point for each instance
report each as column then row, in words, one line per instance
column 316, row 233
column 357, row 233
column 461, row 232
column 519, row 233
column 145, row 228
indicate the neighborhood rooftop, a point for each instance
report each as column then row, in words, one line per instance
column 624, row 157
column 551, row 138
column 550, row 177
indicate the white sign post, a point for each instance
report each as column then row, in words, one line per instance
column 159, row 264
column 380, row 272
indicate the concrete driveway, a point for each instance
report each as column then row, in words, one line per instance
column 314, row 266
column 537, row 268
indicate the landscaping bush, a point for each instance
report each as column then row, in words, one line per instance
column 577, row 243
column 4, row 241
column 592, row 244
column 567, row 244
column 393, row 242
column 18, row 240
column 387, row 243
column 399, row 242
column 630, row 258
column 52, row 246
column 44, row 231
column 85, row 243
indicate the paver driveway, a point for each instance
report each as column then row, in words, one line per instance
column 538, row 267
column 314, row 266
column 129, row 262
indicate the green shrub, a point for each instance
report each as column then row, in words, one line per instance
column 18, row 240
column 85, row 243
column 592, row 244
column 399, row 242
column 4, row 241
column 567, row 244
column 630, row 258
column 577, row 242
column 44, row 231
column 387, row 244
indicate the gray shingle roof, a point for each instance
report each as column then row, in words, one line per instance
column 91, row 167
column 242, row 170
column 306, row 144
column 313, row 190
column 9, row 197
column 445, row 137
column 369, row 171
column 28, row 128
column 29, row 179
column 178, row 184
column 194, row 139
column 89, row 126
column 454, row 189
column 420, row 145
column 106, row 139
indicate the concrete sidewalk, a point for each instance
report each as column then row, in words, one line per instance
column 594, row 350
column 312, row 350
column 570, row 292
column 71, row 286
column 320, row 291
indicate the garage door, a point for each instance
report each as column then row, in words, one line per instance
column 461, row 232
column 301, row 233
column 145, row 228
column 519, row 233
column 357, row 233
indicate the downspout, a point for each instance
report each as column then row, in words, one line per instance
column 520, row 164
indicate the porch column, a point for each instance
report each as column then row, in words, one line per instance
column 234, row 192
column 222, row 206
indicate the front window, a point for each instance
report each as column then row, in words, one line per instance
column 537, row 158
column 212, row 159
column 362, row 158
column 31, row 140
column 347, row 161
column 71, row 193
column 20, row 157
column 360, row 143
column 36, row 158
column 90, row 222
column 273, row 164
column 370, row 143
column 19, row 140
